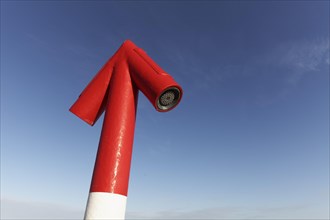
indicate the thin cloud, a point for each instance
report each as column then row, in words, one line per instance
column 286, row 62
column 308, row 56
column 290, row 60
column 235, row 212
column 15, row 209
column 289, row 63
column 302, row 58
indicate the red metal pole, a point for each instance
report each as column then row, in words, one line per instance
column 111, row 172
column 112, row 166
column 115, row 90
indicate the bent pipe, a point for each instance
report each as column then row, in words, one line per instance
column 157, row 85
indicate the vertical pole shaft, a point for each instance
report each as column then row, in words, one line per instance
column 109, row 186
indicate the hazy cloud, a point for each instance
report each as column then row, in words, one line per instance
column 303, row 57
column 287, row 64
column 235, row 212
column 288, row 60
column 308, row 56
column 14, row 209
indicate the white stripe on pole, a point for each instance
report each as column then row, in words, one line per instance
column 103, row 205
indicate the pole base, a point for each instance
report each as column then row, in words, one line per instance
column 103, row 205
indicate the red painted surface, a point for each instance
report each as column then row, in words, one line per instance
column 114, row 90
column 112, row 166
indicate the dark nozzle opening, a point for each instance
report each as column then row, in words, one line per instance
column 169, row 98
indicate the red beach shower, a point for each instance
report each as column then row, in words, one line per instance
column 114, row 89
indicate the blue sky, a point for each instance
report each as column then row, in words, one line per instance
column 250, row 138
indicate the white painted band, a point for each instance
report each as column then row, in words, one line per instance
column 102, row 205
